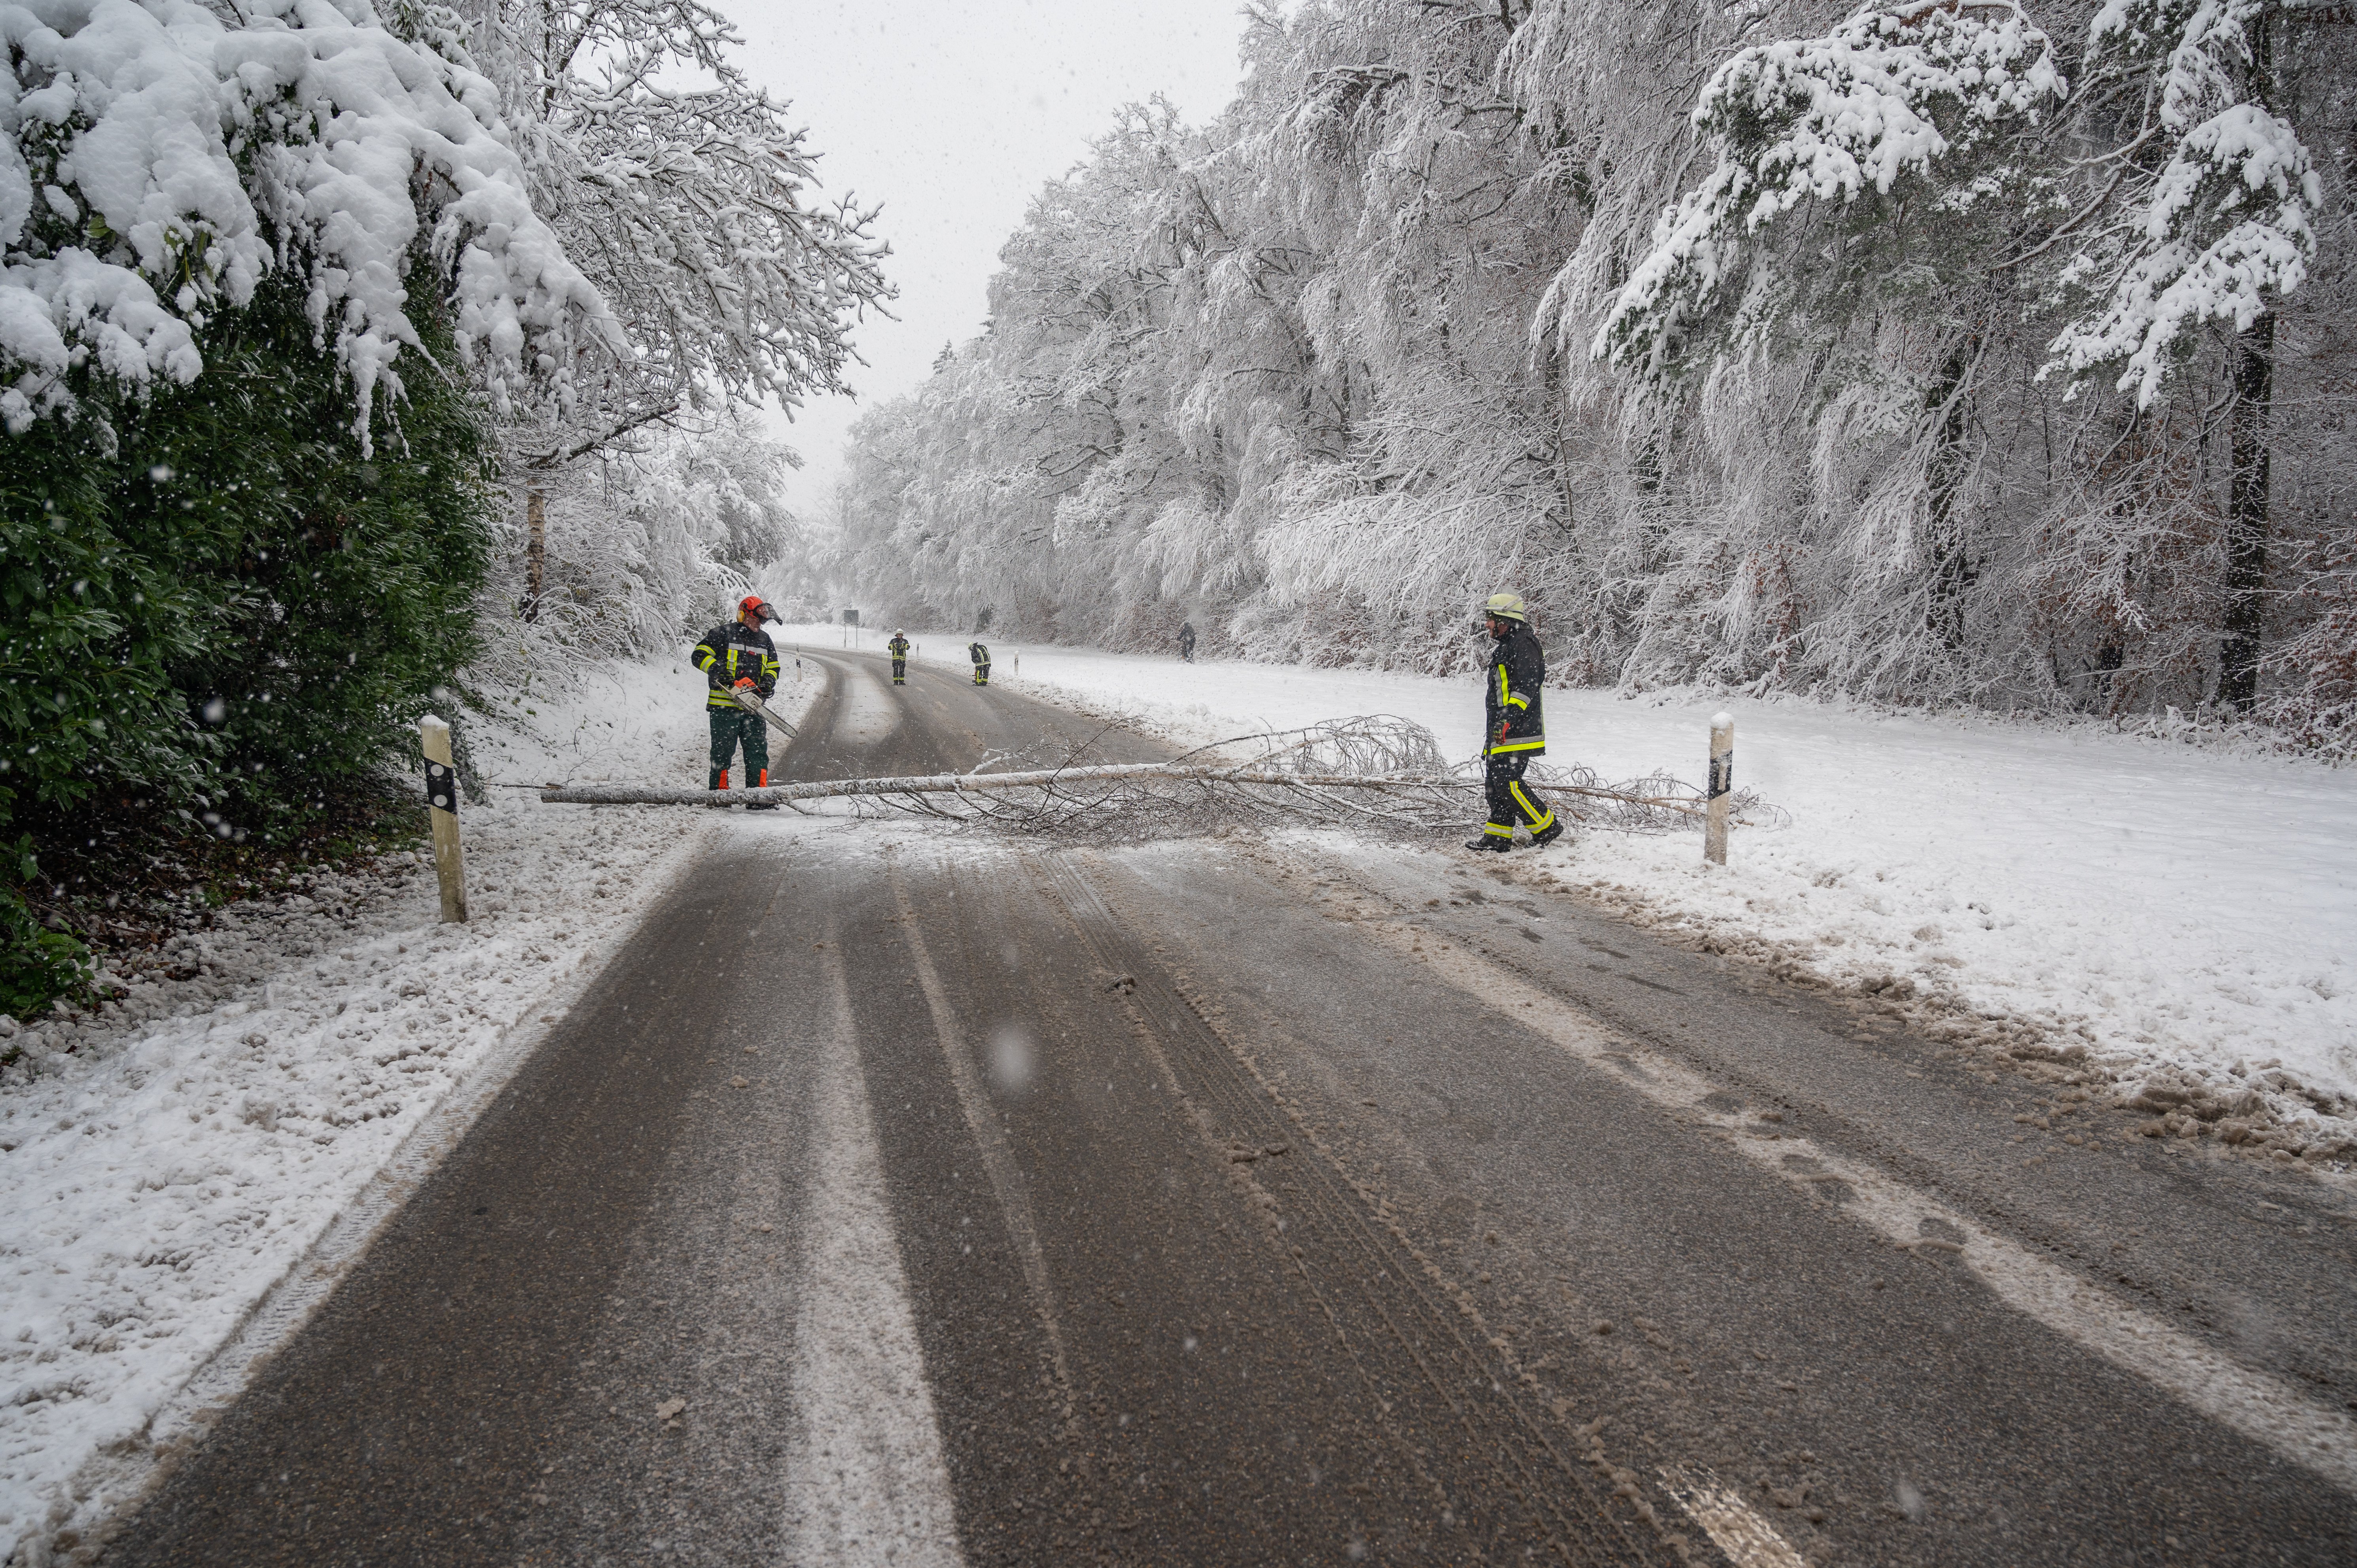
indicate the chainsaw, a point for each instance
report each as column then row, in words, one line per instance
column 750, row 700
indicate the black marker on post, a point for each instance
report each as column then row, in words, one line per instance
column 1722, row 782
column 442, row 800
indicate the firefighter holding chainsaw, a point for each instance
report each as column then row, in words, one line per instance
column 738, row 656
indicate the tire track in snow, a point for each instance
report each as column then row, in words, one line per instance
column 1451, row 1393
column 866, row 1481
column 1007, row 1183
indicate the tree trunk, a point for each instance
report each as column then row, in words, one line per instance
column 535, row 549
column 2244, row 621
column 1953, row 573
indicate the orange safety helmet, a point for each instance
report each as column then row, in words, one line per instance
column 752, row 605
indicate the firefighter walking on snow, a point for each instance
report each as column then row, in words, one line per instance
column 979, row 653
column 1513, row 729
column 738, row 656
column 899, row 647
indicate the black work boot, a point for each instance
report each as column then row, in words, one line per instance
column 1546, row 836
column 1489, row 843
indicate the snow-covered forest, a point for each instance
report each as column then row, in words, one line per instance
column 361, row 358
column 1948, row 352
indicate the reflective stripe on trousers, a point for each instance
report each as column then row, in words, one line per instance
column 1513, row 801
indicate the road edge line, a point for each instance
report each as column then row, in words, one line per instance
column 2256, row 1404
column 1733, row 1525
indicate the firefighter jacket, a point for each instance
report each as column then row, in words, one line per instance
column 899, row 647
column 979, row 652
column 1517, row 672
column 731, row 651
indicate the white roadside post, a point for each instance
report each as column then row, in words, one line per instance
column 442, row 802
column 1722, row 782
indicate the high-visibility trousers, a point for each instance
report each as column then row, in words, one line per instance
column 1510, row 799
column 982, row 674
column 899, row 672
column 730, row 730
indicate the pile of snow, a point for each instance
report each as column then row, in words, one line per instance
column 159, row 160
column 196, row 1139
column 2176, row 911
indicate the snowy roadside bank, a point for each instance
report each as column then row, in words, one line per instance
column 2188, row 917
column 170, row 1170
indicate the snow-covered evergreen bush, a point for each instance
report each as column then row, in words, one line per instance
column 220, row 606
column 163, row 158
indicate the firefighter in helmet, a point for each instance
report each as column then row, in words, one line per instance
column 979, row 653
column 900, row 650
column 738, row 656
column 1513, row 730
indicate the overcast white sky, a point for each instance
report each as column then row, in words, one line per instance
column 952, row 114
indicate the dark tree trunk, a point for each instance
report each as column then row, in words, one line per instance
column 1954, row 571
column 2244, row 621
column 535, row 549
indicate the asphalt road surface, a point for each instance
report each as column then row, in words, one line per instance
column 909, row 1195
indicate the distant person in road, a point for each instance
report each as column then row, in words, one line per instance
column 899, row 647
column 979, row 653
column 1513, row 731
column 738, row 656
column 1187, row 641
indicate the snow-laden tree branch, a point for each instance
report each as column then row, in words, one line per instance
column 2222, row 219
column 1882, row 98
column 160, row 160
column 684, row 193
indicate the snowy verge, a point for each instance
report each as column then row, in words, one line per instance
column 163, row 1174
column 2182, row 920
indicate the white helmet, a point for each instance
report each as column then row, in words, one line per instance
column 1505, row 607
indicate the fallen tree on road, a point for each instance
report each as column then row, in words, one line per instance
column 1379, row 770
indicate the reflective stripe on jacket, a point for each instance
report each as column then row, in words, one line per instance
column 727, row 654
column 899, row 647
column 1516, row 678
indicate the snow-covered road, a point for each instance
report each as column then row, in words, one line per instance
column 1255, row 1197
column 2176, row 908
column 1347, row 1086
